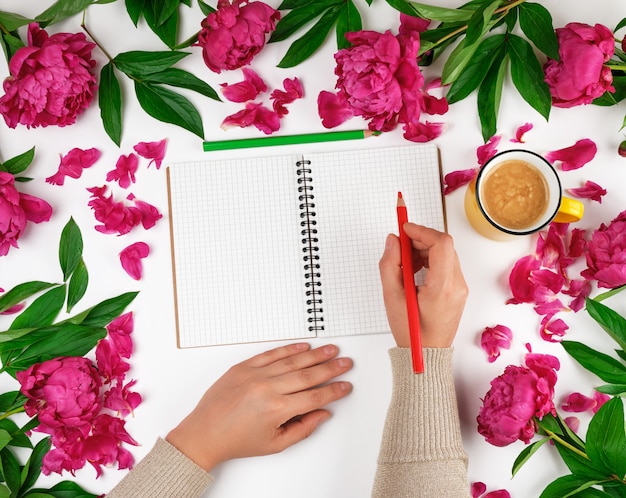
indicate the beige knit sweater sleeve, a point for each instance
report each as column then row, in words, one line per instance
column 421, row 454
column 164, row 473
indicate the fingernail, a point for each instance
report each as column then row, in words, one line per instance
column 329, row 350
column 345, row 386
column 389, row 242
column 301, row 346
column 344, row 362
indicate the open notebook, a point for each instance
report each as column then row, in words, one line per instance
column 287, row 247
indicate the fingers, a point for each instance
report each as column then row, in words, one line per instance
column 300, row 428
column 276, row 354
column 306, row 378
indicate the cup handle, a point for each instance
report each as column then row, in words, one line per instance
column 570, row 211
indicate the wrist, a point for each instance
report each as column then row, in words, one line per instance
column 192, row 448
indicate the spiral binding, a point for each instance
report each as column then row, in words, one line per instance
column 310, row 247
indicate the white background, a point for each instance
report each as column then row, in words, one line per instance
column 340, row 459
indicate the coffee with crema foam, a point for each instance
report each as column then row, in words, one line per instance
column 515, row 194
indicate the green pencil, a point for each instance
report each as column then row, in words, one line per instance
column 245, row 143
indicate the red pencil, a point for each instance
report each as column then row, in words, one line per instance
column 408, row 278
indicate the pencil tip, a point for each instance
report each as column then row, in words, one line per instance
column 399, row 195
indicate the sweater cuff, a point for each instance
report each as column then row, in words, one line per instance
column 164, row 472
column 422, row 421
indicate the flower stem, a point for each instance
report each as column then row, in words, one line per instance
column 558, row 439
column 86, row 29
column 11, row 412
column 609, row 293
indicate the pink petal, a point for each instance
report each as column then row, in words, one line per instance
column 488, row 150
column 573, row 423
column 600, row 399
column 248, row 89
column 36, row 210
column 293, row 91
column 412, row 24
column 457, row 179
column 589, row 190
column 255, row 115
column 519, row 133
column 73, row 163
column 552, row 330
column 131, row 257
column 478, row 488
column 575, row 156
column 14, row 309
column 495, row 338
column 577, row 402
column 421, row 132
column 125, row 169
column 333, row 110
column 155, row 151
column 522, row 288
column 500, row 493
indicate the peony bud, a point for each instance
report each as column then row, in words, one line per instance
column 621, row 150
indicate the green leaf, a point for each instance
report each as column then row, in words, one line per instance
column 183, row 79
column 349, row 20
column 18, row 438
column 32, row 469
column 489, row 50
column 109, row 309
column 607, row 368
column 570, row 485
column 11, row 21
column 5, row 438
column 11, row 43
column 526, row 453
column 10, row 470
column 77, row 286
column 135, row 10
column 66, row 489
column 610, row 321
column 612, row 389
column 205, row 8
column 578, row 464
column 606, row 438
column 443, row 14
column 60, row 10
column 110, row 102
column 479, row 22
column 139, row 64
column 10, row 400
column 536, row 23
column 166, row 30
column 489, row 97
column 169, row 107
column 620, row 24
column 457, row 61
column 527, row 75
column 609, row 99
column 54, row 342
column 20, row 292
column 42, row 310
column 70, row 248
column 19, row 163
column 163, row 10
column 297, row 18
column 305, row 46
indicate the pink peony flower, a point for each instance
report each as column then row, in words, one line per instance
column 378, row 79
column 248, row 89
column 155, row 151
column 16, row 209
column 64, row 392
column 256, row 115
column 119, row 331
column 581, row 74
column 575, row 156
column 493, row 339
column 50, row 80
column 73, row 163
column 125, row 169
column 606, row 254
column 590, row 190
column 131, row 257
column 232, row 35
column 516, row 398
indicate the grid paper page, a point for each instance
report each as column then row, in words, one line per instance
column 237, row 252
column 356, row 195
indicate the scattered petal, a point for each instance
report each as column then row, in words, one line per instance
column 590, row 190
column 495, row 338
column 248, row 89
column 155, row 151
column 575, row 156
column 332, row 110
column 520, row 132
column 293, row 91
column 458, row 179
column 573, row 423
column 577, row 403
column 600, row 399
column 422, row 132
column 256, row 115
column 14, row 309
column 131, row 257
column 552, row 330
column 488, row 150
column 125, row 169
column 520, row 283
column 73, row 163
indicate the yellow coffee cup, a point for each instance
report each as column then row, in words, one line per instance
column 516, row 193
